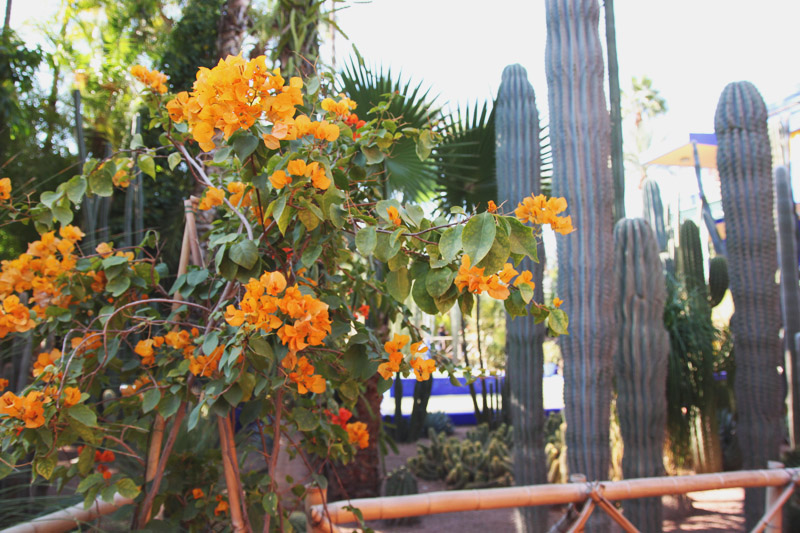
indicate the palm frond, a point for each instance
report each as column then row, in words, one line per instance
column 466, row 159
column 367, row 87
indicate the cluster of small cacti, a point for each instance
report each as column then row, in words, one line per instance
column 440, row 422
column 481, row 460
column 555, row 448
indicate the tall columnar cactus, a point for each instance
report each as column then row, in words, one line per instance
column 691, row 251
column 641, row 361
column 654, row 211
column 579, row 134
column 518, row 175
column 745, row 169
column 790, row 297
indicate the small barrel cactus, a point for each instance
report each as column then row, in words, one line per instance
column 745, row 168
column 641, row 361
column 790, row 295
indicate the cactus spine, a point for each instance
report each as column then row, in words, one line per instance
column 641, row 362
column 518, row 175
column 790, row 297
column 654, row 211
column 745, row 168
column 579, row 132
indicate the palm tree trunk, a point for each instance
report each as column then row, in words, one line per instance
column 232, row 26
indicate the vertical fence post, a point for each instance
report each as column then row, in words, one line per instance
column 775, row 525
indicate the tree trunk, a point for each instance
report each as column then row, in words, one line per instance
column 232, row 26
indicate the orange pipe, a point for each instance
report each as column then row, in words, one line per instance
column 501, row 498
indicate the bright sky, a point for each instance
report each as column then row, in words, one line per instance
column 690, row 49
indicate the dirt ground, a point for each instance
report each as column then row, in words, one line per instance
column 712, row 511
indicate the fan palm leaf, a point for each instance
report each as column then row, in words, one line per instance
column 405, row 172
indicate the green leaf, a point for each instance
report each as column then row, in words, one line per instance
column 366, row 240
column 438, row 281
column 384, row 249
column 168, row 406
column 465, row 303
column 101, row 183
column 421, row 297
column 222, row 154
column 136, row 141
column 174, row 160
column 44, row 466
column 337, row 214
column 127, row 488
column 446, row 301
column 63, row 214
column 244, row 145
column 309, row 219
column 233, row 395
column 86, row 460
column 270, row 503
column 478, row 236
column 82, row 414
column 311, row 255
column 194, row 417
column 398, row 284
column 521, row 239
column 150, row 400
column 118, row 285
column 425, row 145
column 244, row 253
column 147, row 165
column 450, row 242
column 305, row 419
column 75, row 188
column 416, row 214
column 558, row 322
column 526, row 292
column 373, row 154
column 514, row 305
column 497, row 255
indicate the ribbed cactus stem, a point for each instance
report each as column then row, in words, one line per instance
column 579, row 132
column 718, row 280
column 641, row 362
column 745, row 168
column 654, row 211
column 790, row 297
column 691, row 251
column 518, row 175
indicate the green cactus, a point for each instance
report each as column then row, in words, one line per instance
column 641, row 362
column 790, row 297
column 481, row 460
column 654, row 211
column 518, row 162
column 579, row 132
column 745, row 168
column 691, row 251
column 717, row 280
column 440, row 422
column 401, row 482
column 416, row 424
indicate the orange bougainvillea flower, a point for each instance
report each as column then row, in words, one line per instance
column 525, row 278
column 423, row 368
column 341, row 418
column 5, row 189
column 106, row 456
column 305, row 378
column 222, row 506
column 43, row 360
column 358, row 434
column 72, row 395
column 198, row 493
column 279, row 179
column 541, row 210
column 394, row 215
column 212, row 198
column 507, row 273
column 296, row 167
column 144, row 348
column 363, row 311
column 3, row 384
column 29, row 409
column 557, row 302
column 492, row 207
column 104, row 250
column 152, row 78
